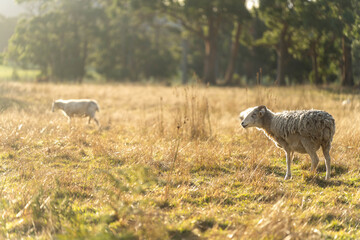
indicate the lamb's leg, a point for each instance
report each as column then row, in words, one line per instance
column 70, row 122
column 289, row 156
column 311, row 151
column 92, row 116
column 97, row 122
column 89, row 120
column 326, row 152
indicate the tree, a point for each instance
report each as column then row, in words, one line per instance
column 340, row 20
column 290, row 40
column 205, row 18
column 278, row 16
column 315, row 37
column 346, row 12
column 135, row 43
column 57, row 39
column 238, row 25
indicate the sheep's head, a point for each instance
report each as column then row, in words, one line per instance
column 54, row 106
column 252, row 117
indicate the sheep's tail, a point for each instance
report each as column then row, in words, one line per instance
column 97, row 108
column 329, row 129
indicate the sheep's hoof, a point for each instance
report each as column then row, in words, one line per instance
column 287, row 177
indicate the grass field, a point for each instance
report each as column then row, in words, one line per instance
column 170, row 163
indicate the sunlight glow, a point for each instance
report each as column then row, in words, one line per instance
column 250, row 4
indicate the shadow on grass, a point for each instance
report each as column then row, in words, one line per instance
column 182, row 234
column 336, row 169
column 211, row 170
column 321, row 182
column 277, row 170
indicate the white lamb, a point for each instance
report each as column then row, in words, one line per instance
column 302, row 131
column 77, row 108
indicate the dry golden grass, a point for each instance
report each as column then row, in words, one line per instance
column 170, row 163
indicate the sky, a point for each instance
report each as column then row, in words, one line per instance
column 9, row 8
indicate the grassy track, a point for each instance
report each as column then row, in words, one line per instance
column 170, row 163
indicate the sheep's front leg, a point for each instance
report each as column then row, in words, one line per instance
column 289, row 156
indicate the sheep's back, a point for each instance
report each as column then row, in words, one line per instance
column 81, row 107
column 315, row 124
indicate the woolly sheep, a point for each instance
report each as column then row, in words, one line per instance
column 346, row 102
column 77, row 108
column 302, row 131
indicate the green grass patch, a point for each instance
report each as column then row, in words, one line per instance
column 8, row 73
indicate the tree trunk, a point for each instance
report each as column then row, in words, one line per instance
column 347, row 78
column 83, row 62
column 234, row 52
column 281, row 57
column 317, row 79
column 210, row 55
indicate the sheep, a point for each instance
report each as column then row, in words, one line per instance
column 346, row 102
column 302, row 131
column 77, row 108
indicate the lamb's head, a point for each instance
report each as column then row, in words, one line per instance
column 252, row 117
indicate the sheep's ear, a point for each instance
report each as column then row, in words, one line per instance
column 241, row 116
column 262, row 110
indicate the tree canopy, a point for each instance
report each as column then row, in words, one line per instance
column 220, row 41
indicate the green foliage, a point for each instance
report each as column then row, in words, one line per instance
column 58, row 40
column 206, row 20
column 290, row 41
column 145, row 46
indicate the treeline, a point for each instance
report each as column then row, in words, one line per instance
column 7, row 27
column 219, row 41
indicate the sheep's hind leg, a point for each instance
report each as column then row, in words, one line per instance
column 89, row 120
column 92, row 116
column 326, row 152
column 289, row 157
column 70, row 122
column 310, row 150
column 97, row 122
